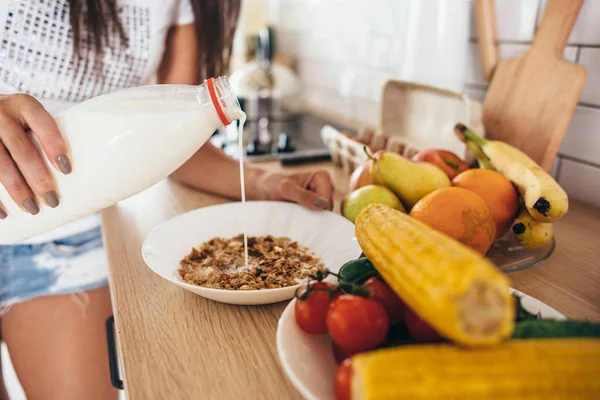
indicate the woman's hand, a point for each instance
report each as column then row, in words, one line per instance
column 310, row 189
column 212, row 171
column 23, row 172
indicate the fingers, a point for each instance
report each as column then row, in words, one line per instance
column 292, row 191
column 322, row 184
column 14, row 183
column 317, row 194
column 23, row 170
column 32, row 115
column 29, row 162
column 3, row 213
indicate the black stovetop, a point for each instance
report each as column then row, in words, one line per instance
column 292, row 140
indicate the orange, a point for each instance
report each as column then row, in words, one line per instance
column 460, row 214
column 498, row 193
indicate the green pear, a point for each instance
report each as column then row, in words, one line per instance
column 354, row 202
column 409, row 180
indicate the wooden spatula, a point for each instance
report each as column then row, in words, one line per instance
column 531, row 99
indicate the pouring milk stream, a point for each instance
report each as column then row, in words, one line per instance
column 122, row 143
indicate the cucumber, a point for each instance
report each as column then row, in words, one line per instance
column 398, row 335
column 548, row 328
column 357, row 271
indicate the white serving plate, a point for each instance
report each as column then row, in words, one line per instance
column 328, row 235
column 308, row 360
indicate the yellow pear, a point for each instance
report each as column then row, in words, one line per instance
column 409, row 180
column 354, row 202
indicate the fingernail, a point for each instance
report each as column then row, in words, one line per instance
column 51, row 199
column 3, row 214
column 31, row 206
column 64, row 164
column 321, row 202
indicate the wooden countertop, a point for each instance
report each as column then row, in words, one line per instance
column 176, row 345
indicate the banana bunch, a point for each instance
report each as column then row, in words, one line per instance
column 544, row 201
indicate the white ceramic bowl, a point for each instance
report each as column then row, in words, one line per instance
column 328, row 235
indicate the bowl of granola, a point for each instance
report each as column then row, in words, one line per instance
column 203, row 250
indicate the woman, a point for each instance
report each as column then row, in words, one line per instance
column 53, row 54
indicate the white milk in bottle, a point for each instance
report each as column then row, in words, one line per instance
column 122, row 143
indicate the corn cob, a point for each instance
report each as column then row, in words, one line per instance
column 453, row 288
column 544, row 369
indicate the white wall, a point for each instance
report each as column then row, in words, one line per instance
column 348, row 48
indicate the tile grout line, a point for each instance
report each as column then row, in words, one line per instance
column 589, row 105
column 558, row 167
column 528, row 42
column 480, row 86
column 577, row 55
column 579, row 161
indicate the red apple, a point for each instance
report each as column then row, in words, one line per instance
column 447, row 161
column 361, row 177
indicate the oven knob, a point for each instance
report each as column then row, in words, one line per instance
column 255, row 148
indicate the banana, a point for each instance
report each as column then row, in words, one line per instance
column 531, row 233
column 482, row 160
column 545, row 200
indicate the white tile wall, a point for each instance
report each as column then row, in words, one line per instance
column 580, row 181
column 378, row 53
column 329, row 102
column 383, row 16
column 476, row 93
column 590, row 58
column 515, row 19
column 505, row 50
column 587, row 27
column 366, row 112
column 556, row 167
column 347, row 49
column 582, row 140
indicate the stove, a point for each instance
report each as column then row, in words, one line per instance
column 293, row 140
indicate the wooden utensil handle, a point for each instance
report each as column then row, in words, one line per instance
column 486, row 33
column 556, row 26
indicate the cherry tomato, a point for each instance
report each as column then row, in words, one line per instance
column 311, row 312
column 339, row 353
column 420, row 330
column 384, row 295
column 356, row 323
column 343, row 380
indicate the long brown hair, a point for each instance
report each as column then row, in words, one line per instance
column 215, row 23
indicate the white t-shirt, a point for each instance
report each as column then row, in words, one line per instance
column 36, row 58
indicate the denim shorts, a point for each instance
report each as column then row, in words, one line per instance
column 70, row 265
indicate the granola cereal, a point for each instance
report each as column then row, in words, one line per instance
column 274, row 262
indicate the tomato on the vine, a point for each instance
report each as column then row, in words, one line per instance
column 343, row 380
column 384, row 295
column 312, row 310
column 356, row 323
column 420, row 330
